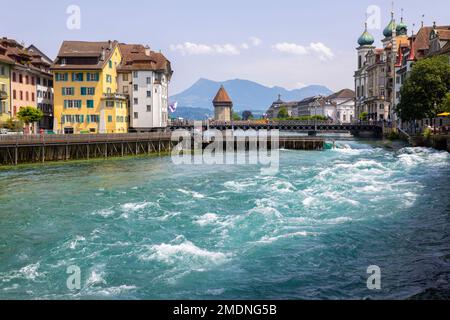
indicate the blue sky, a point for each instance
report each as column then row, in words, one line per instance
column 285, row 43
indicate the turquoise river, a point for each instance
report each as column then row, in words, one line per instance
column 144, row 228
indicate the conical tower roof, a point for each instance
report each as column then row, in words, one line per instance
column 222, row 96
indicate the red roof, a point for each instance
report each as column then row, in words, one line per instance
column 222, row 96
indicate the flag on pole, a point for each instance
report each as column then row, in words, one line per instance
column 173, row 107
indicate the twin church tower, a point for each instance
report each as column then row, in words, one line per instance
column 375, row 77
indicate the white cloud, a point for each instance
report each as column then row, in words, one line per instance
column 323, row 52
column 255, row 41
column 245, row 46
column 291, row 48
column 189, row 48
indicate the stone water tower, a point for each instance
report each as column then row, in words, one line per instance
column 223, row 106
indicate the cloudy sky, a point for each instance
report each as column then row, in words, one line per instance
column 288, row 43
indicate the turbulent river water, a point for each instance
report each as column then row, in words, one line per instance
column 144, row 228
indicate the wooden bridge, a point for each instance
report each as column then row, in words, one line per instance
column 310, row 127
column 17, row 149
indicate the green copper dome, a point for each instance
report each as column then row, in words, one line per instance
column 366, row 38
column 402, row 28
column 389, row 30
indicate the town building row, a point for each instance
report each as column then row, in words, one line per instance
column 381, row 72
column 338, row 107
column 91, row 87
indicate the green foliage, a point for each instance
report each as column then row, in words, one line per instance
column 236, row 116
column 393, row 135
column 446, row 104
column 364, row 116
column 424, row 92
column 247, row 115
column 427, row 133
column 29, row 115
column 13, row 125
column 283, row 113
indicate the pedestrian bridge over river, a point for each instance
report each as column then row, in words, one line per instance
column 310, row 127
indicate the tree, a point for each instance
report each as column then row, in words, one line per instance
column 236, row 116
column 446, row 107
column 14, row 125
column 364, row 116
column 29, row 115
column 247, row 115
column 424, row 92
column 283, row 113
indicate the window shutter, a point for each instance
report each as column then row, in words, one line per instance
column 83, row 91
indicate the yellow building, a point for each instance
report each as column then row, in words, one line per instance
column 5, row 85
column 86, row 98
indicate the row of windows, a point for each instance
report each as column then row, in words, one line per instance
column 118, row 119
column 77, row 76
column 23, row 97
column 90, row 118
column 44, row 94
column 158, row 77
column 80, row 118
column 85, row 91
column 117, row 104
column 45, row 107
column 27, row 79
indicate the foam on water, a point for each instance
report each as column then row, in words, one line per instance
column 308, row 232
column 184, row 252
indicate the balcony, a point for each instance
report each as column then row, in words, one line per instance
column 114, row 96
column 3, row 95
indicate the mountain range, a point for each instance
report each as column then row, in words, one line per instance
column 246, row 95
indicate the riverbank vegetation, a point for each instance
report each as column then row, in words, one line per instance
column 425, row 92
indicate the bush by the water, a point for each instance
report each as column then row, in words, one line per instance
column 427, row 133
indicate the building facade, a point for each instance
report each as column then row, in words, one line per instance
column 344, row 102
column 5, row 85
column 44, row 87
column 144, row 77
column 376, row 72
column 86, row 96
column 23, row 76
column 30, row 81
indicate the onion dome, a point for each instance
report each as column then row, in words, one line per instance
column 402, row 28
column 389, row 30
column 366, row 39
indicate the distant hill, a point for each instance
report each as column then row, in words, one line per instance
column 246, row 95
column 193, row 113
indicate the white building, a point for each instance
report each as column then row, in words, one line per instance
column 344, row 102
column 144, row 76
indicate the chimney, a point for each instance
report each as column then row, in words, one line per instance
column 110, row 44
column 103, row 57
column 147, row 51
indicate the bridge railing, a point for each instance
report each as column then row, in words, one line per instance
column 82, row 138
column 268, row 122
